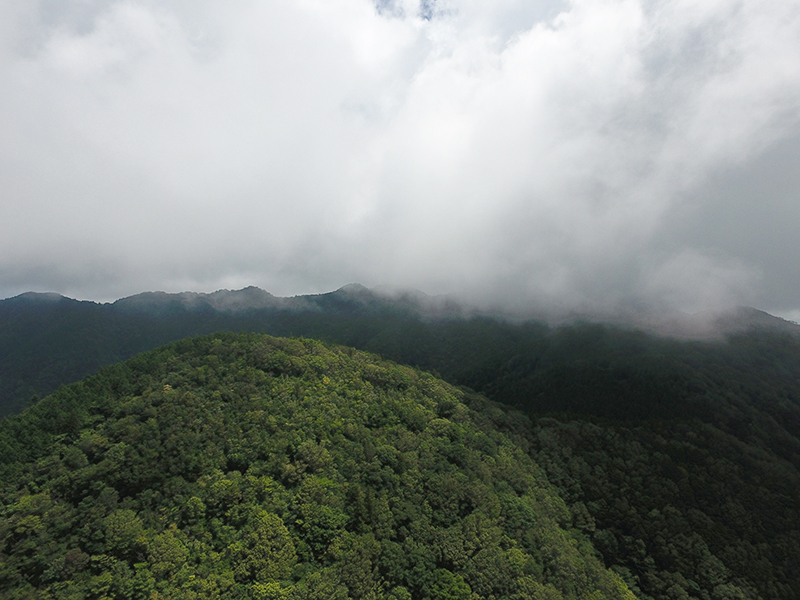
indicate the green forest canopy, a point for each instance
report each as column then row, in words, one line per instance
column 246, row 466
column 679, row 461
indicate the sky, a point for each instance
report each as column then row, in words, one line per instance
column 569, row 154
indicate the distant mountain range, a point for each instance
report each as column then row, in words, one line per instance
column 47, row 339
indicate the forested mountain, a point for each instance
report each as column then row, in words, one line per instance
column 678, row 459
column 47, row 340
column 244, row 466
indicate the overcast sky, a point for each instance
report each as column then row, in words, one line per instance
column 578, row 153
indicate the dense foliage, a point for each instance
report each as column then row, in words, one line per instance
column 679, row 460
column 681, row 510
column 245, row 466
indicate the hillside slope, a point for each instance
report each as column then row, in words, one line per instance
column 244, row 466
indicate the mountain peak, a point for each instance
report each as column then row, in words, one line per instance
column 353, row 289
column 227, row 301
column 41, row 297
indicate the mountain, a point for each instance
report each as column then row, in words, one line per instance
column 678, row 457
column 245, row 466
column 47, row 340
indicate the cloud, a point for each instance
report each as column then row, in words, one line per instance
column 514, row 152
column 696, row 281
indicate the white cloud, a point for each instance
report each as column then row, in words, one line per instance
column 697, row 281
column 504, row 150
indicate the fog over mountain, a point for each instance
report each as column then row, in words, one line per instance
column 573, row 155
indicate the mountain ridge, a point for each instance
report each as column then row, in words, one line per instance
column 706, row 324
column 47, row 340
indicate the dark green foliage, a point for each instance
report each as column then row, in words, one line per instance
column 679, row 508
column 244, row 466
column 680, row 461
